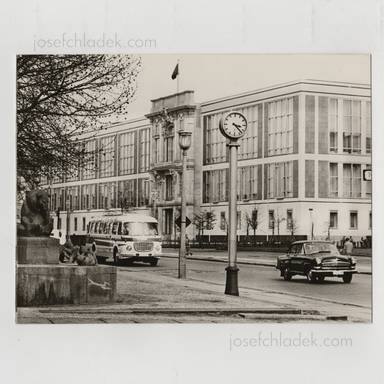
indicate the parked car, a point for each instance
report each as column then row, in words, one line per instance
column 316, row 260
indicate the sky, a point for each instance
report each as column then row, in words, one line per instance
column 219, row 75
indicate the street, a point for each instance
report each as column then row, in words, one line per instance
column 350, row 299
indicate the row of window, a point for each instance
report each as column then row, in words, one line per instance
column 354, row 114
column 279, row 182
column 122, row 154
column 353, row 220
column 215, row 184
column 124, row 194
column 352, row 181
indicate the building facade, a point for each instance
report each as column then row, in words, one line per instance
column 300, row 164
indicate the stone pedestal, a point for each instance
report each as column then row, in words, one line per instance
column 37, row 250
column 41, row 280
column 39, row 285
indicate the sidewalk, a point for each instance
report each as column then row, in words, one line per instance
column 149, row 297
column 265, row 259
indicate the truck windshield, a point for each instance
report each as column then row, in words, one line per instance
column 312, row 248
column 139, row 229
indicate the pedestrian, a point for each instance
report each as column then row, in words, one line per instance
column 348, row 247
column 187, row 246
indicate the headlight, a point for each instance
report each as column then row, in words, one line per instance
column 129, row 248
column 353, row 260
column 318, row 260
column 158, row 248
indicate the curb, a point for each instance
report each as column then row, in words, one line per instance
column 262, row 264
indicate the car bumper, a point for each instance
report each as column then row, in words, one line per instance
column 329, row 273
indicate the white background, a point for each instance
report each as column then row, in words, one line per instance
column 188, row 353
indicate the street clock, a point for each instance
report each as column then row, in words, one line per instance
column 233, row 125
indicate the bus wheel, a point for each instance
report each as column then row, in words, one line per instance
column 115, row 256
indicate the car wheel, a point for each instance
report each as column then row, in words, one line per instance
column 320, row 279
column 115, row 256
column 287, row 275
column 347, row 278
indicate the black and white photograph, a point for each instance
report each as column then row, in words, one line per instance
column 193, row 188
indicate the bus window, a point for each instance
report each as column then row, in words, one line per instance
column 101, row 227
column 91, row 227
column 119, row 229
column 115, row 226
column 96, row 227
column 125, row 229
column 107, row 228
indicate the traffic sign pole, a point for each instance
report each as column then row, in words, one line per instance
column 182, row 258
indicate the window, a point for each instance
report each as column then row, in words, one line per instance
column 333, row 117
column 142, row 192
column 333, row 180
column 107, row 195
column 89, row 161
column 271, row 219
column 280, row 127
column 368, row 186
column 248, row 143
column 167, row 221
column 368, row 128
column 88, row 196
column 75, row 224
column 84, row 223
column 215, row 186
column 289, row 219
column 127, row 153
column 107, row 156
column 169, row 187
column 215, row 145
column 280, row 180
column 352, row 180
column 144, row 150
column 73, row 197
column 239, row 220
column 223, row 221
column 333, row 219
column 168, row 143
column 127, row 194
column 247, row 183
column 353, row 220
column 352, row 126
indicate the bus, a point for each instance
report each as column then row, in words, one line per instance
column 129, row 237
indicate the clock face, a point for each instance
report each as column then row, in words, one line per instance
column 233, row 125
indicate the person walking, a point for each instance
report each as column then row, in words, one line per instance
column 348, row 247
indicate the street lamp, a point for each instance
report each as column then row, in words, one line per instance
column 184, row 143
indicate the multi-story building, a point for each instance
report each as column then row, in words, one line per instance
column 301, row 163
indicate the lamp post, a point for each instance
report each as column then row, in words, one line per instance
column 184, row 143
column 311, row 216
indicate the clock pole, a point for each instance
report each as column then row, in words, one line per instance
column 231, row 285
column 233, row 126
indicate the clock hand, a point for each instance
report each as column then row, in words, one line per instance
column 237, row 127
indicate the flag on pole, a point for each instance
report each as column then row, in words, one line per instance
column 175, row 72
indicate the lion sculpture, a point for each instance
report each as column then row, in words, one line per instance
column 35, row 218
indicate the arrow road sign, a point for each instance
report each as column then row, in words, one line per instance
column 178, row 221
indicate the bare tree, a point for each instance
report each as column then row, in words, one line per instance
column 292, row 226
column 204, row 220
column 59, row 99
column 253, row 221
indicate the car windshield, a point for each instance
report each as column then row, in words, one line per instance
column 311, row 248
column 139, row 229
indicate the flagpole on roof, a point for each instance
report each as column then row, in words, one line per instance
column 177, row 80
